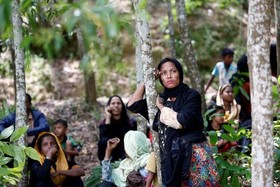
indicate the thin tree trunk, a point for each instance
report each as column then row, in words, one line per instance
column 89, row 76
column 143, row 30
column 20, row 79
column 141, row 122
column 277, row 22
column 258, row 45
column 170, row 28
column 190, row 61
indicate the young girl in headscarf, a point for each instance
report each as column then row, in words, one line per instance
column 53, row 170
column 226, row 99
column 186, row 157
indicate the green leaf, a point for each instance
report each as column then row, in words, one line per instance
column 32, row 153
column 7, row 149
column 7, row 132
column 229, row 129
column 4, row 171
column 4, row 160
column 18, row 133
column 20, row 154
column 244, row 93
column 234, row 181
column 213, row 137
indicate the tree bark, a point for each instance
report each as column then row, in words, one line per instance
column 170, row 28
column 141, row 122
column 277, row 23
column 190, row 61
column 143, row 30
column 20, row 79
column 258, row 45
column 89, row 76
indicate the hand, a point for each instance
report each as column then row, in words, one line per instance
column 159, row 102
column 156, row 73
column 56, row 173
column 52, row 152
column 108, row 112
column 112, row 143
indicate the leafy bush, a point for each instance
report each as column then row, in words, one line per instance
column 13, row 156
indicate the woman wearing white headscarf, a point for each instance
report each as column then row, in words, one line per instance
column 136, row 146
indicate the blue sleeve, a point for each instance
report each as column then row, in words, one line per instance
column 215, row 71
column 40, row 124
column 7, row 121
column 107, row 171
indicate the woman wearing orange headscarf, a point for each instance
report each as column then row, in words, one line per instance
column 53, row 170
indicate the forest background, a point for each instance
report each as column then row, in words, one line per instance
column 56, row 65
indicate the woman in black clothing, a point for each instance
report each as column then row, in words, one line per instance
column 53, row 170
column 115, row 124
column 186, row 157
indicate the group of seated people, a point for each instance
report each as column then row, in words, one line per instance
column 57, row 151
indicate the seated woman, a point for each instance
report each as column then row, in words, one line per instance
column 215, row 121
column 226, row 99
column 53, row 169
column 115, row 125
column 136, row 146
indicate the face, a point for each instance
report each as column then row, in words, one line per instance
column 115, row 106
column 47, row 143
column 219, row 118
column 59, row 130
column 228, row 59
column 169, row 75
column 227, row 94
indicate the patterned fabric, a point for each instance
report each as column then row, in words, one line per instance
column 203, row 169
column 223, row 74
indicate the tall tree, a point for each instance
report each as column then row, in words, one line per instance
column 142, row 122
column 170, row 28
column 189, row 55
column 144, row 39
column 20, row 78
column 258, row 45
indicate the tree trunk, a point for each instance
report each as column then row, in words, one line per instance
column 141, row 121
column 277, row 21
column 89, row 76
column 170, row 28
column 258, row 45
column 20, row 79
column 190, row 61
column 142, row 28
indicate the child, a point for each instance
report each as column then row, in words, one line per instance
column 53, row 169
column 215, row 121
column 223, row 70
column 67, row 143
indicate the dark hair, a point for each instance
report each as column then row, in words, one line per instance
column 61, row 121
column 242, row 64
column 29, row 97
column 273, row 59
column 40, row 139
column 177, row 65
column 226, row 51
column 124, row 113
column 209, row 117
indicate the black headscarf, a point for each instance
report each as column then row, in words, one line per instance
column 178, row 89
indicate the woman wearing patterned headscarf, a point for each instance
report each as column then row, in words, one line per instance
column 53, row 170
column 186, row 157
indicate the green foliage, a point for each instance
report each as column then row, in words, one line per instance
column 13, row 156
column 96, row 175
